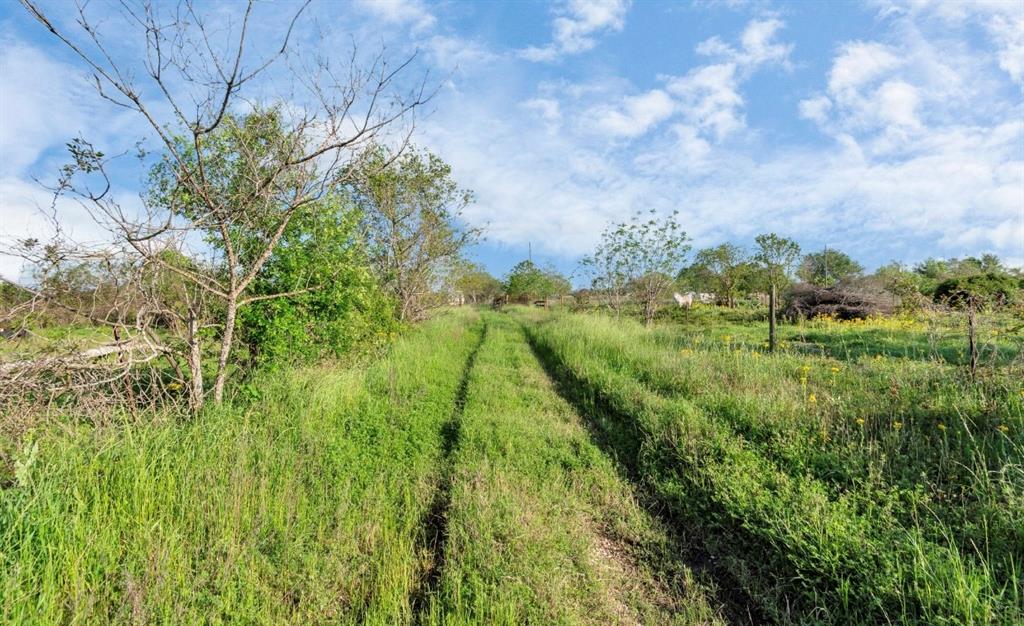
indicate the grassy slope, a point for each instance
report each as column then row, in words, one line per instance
column 541, row 529
column 303, row 507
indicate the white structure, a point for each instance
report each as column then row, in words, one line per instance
column 684, row 301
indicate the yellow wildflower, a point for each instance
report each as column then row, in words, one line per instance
column 835, row 370
column 174, row 386
column 942, row 427
column 897, row 425
column 1003, row 428
column 860, row 421
column 812, row 398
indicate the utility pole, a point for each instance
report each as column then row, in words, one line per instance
column 529, row 253
column 826, row 265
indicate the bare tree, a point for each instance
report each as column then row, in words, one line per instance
column 232, row 181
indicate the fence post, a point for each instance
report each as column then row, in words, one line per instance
column 771, row 320
column 972, row 340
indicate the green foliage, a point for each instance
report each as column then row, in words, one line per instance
column 641, row 257
column 935, row 271
column 978, row 290
column 724, row 268
column 527, row 282
column 828, row 267
column 476, row 284
column 776, row 255
column 412, row 207
column 344, row 309
column 239, row 159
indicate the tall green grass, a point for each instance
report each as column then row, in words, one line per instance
column 301, row 506
column 541, row 529
column 917, row 439
column 807, row 552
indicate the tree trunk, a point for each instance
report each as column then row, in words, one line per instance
column 225, row 349
column 195, row 364
column 771, row 320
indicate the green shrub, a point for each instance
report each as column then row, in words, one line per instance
column 988, row 289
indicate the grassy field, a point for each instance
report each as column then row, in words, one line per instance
column 871, row 489
column 542, row 467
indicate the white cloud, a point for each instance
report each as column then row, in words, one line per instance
column 547, row 108
column 858, row 63
column 898, row 102
column 411, row 12
column 757, row 45
column 451, row 53
column 815, row 109
column 1008, row 32
column 710, row 98
column 576, row 26
column 40, row 105
column 709, row 95
column 1002, row 19
column 636, row 115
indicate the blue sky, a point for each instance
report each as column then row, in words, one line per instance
column 887, row 129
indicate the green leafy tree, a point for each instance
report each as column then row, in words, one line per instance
column 527, row 282
column 236, row 180
column 641, row 257
column 776, row 255
column 990, row 289
column 933, row 272
column 724, row 267
column 476, row 284
column 904, row 285
column 828, row 267
column 412, row 208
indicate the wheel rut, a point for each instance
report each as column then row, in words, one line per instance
column 434, row 522
column 736, row 606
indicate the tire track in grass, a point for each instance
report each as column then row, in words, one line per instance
column 609, row 431
column 542, row 527
column 434, row 523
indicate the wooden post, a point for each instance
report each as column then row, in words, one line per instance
column 971, row 340
column 771, row 320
